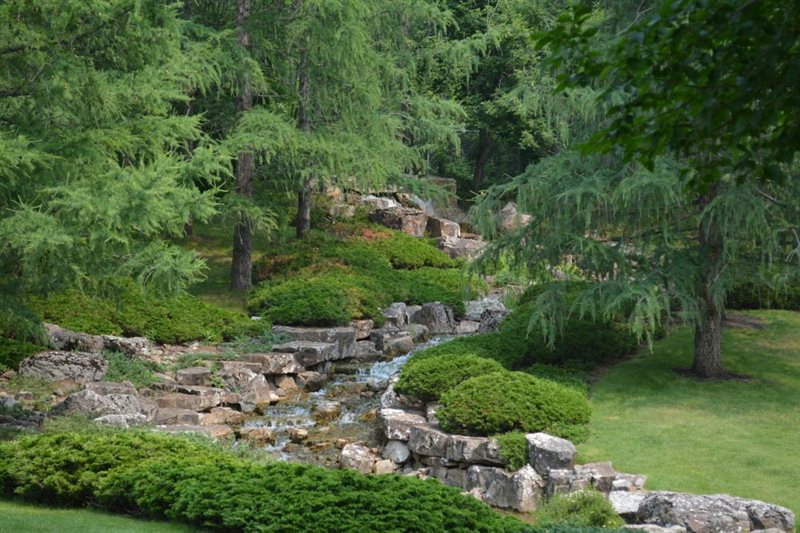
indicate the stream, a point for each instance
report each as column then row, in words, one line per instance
column 343, row 411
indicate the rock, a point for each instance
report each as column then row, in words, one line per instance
column 564, row 481
column 367, row 351
column 411, row 310
column 628, row 482
column 196, row 375
column 194, row 402
column 344, row 338
column 7, row 403
column 430, row 413
column 308, row 353
column 425, row 440
column 457, row 247
column 275, row 363
column 258, row 399
column 167, row 416
column 467, row 327
column 601, row 475
column 286, row 383
column 498, row 488
column 310, row 381
column 240, row 377
column 437, row 317
column 439, row 227
column 379, row 202
column 213, row 432
column 385, row 466
column 546, row 452
column 65, row 340
column 221, row 415
column 260, row 436
column 510, row 218
column 340, row 443
column 473, row 450
column 418, row 332
column 130, row 346
column 452, row 476
column 362, row 328
column 408, row 220
column 122, row 421
column 395, row 315
column 476, row 308
column 327, row 411
column 650, row 528
column 396, row 346
column 357, row 457
column 81, row 367
column 298, row 435
column 396, row 451
column 397, row 423
column 626, row 504
column 707, row 514
column 114, row 399
column 390, row 399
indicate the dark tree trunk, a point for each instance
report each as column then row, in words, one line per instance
column 708, row 329
column 241, row 260
column 484, row 148
column 303, row 222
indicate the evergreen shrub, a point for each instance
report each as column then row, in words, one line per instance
column 578, row 509
column 757, row 294
column 133, row 312
column 12, row 352
column 513, row 449
column 512, row 401
column 427, row 378
column 165, row 476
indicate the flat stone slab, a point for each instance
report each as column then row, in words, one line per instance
column 397, row 423
column 81, row 367
column 343, row 337
column 308, row 353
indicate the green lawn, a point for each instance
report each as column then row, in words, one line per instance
column 23, row 518
column 734, row 437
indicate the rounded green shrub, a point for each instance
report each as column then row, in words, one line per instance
column 427, row 378
column 513, row 449
column 578, row 509
column 512, row 401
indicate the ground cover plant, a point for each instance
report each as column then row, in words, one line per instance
column 353, row 270
column 192, row 481
column 579, row 509
column 725, row 436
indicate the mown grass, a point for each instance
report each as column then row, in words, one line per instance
column 732, row 437
column 25, row 518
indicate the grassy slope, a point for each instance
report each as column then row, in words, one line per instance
column 26, row 518
column 724, row 437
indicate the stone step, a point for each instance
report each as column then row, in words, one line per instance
column 176, row 400
column 309, row 353
column 169, row 416
column 343, row 337
column 276, row 363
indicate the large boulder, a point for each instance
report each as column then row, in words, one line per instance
column 276, row 363
column 473, row 450
column 81, row 367
column 399, row 345
column 358, row 457
column 626, row 504
column 437, row 317
column 343, row 337
column 440, row 227
column 308, row 353
column 546, row 452
column 379, row 202
column 408, row 220
column 196, row 375
column 362, row 328
column 457, row 247
column 396, row 451
column 130, row 346
column 510, row 217
column 395, row 315
column 397, row 423
column 506, row 490
column 708, row 514
column 99, row 399
column 62, row 339
column 427, row 441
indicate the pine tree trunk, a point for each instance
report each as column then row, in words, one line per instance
column 303, row 222
column 241, row 260
column 484, row 148
column 708, row 329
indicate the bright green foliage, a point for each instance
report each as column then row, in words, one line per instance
column 164, row 476
column 12, row 352
column 513, row 401
column 582, row 344
column 352, row 271
column 124, row 368
column 132, row 312
column 513, row 449
column 707, row 96
column 427, row 378
column 95, row 169
column 578, row 509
